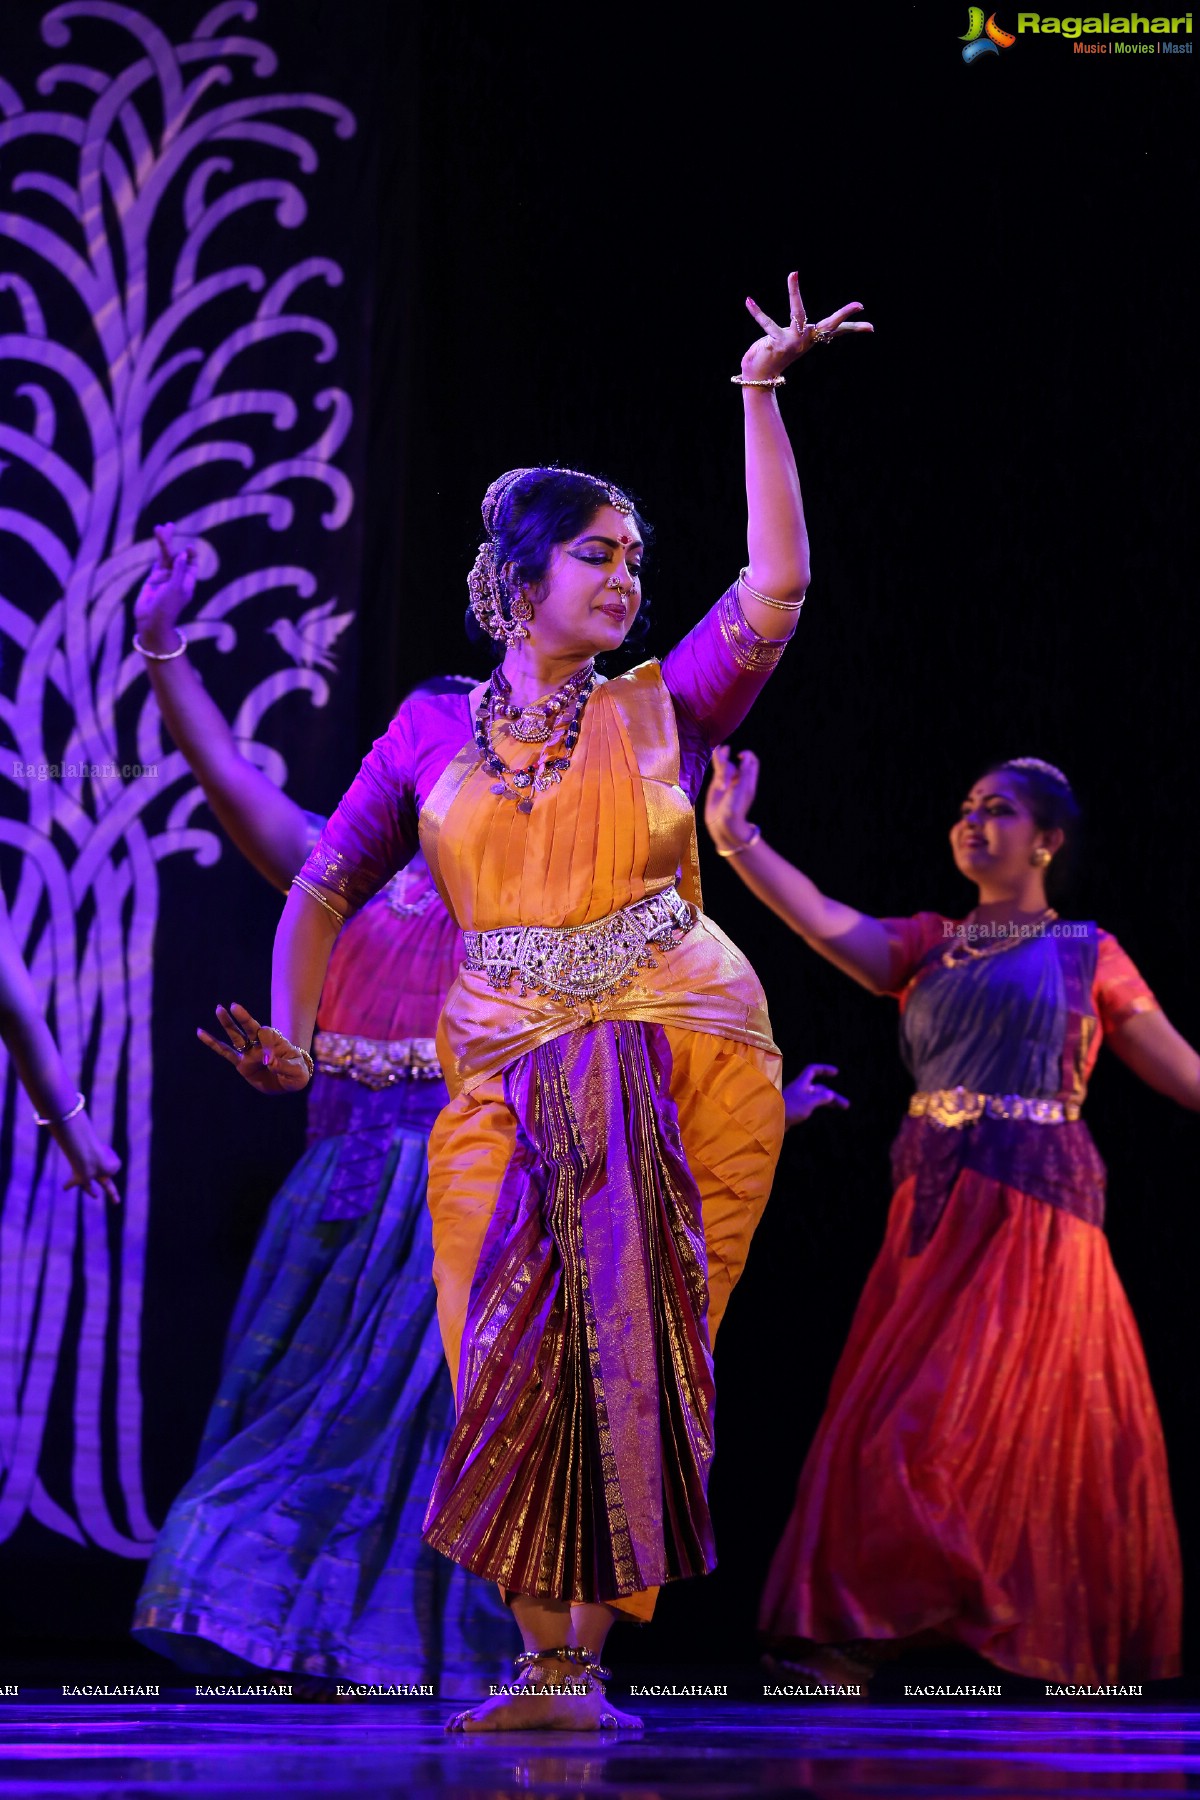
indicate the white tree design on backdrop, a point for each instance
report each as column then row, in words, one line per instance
column 101, row 427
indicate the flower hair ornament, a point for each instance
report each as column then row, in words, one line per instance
column 502, row 614
column 1041, row 768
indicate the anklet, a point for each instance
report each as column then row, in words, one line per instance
column 568, row 1653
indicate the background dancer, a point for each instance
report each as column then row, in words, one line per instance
column 296, row 1546
column 990, row 1467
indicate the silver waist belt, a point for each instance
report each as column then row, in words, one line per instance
column 580, row 962
column 376, row 1062
column 953, row 1108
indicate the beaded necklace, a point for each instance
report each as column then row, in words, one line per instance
column 531, row 725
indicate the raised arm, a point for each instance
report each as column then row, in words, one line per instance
column 41, row 1073
column 270, row 830
column 852, row 941
column 720, row 667
column 776, row 535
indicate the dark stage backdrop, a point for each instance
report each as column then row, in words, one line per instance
column 543, row 240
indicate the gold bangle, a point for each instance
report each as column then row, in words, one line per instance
column 755, row 834
column 768, row 381
column 160, row 655
column 792, row 606
column 314, row 893
column 78, row 1107
column 299, row 1051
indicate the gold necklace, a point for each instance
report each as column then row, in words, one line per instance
column 962, row 952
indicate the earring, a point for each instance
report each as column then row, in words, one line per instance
column 1040, row 857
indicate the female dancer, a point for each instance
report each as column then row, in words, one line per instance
column 615, row 1114
column 296, row 1546
column 990, row 1466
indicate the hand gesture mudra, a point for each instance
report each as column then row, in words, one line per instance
column 769, row 355
column 165, row 592
column 94, row 1164
column 260, row 1054
column 803, row 1095
column 730, row 797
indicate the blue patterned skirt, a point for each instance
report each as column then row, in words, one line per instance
column 296, row 1546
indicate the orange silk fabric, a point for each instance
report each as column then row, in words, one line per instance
column 618, row 827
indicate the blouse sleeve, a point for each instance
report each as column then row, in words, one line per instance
column 373, row 832
column 911, row 941
column 719, row 669
column 1118, row 991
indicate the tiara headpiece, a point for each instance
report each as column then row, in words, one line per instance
column 503, row 485
column 1042, row 768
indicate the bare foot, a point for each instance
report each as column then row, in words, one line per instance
column 551, row 1695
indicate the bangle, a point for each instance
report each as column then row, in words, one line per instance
column 314, row 893
column 792, row 606
column 160, row 655
column 755, row 834
column 768, row 381
column 78, row 1107
column 297, row 1050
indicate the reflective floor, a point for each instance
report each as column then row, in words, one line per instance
column 713, row 1751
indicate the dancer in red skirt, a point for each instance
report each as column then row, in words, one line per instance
column 990, row 1467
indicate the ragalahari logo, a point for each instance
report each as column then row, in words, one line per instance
column 983, row 38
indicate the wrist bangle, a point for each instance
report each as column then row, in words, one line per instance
column 80, row 1103
column 790, row 606
column 755, row 834
column 298, row 1050
column 768, row 381
column 160, row 655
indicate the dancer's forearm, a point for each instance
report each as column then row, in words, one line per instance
column 852, row 941
column 270, row 830
column 776, row 534
column 303, row 944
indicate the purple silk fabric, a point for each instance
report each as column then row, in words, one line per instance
column 579, row 1464
column 1005, row 1024
column 1059, row 1164
column 368, row 1118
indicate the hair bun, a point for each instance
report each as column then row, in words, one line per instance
column 496, row 495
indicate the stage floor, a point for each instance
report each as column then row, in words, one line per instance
column 390, row 1751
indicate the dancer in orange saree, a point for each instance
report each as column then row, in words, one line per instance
column 990, row 1468
column 615, row 1114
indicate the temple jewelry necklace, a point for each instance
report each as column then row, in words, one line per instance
column 962, row 952
column 531, row 725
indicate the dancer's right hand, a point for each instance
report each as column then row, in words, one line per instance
column 165, row 592
column 260, row 1054
column 93, row 1163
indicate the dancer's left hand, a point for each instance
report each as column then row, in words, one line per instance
column 802, row 1096
column 781, row 345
